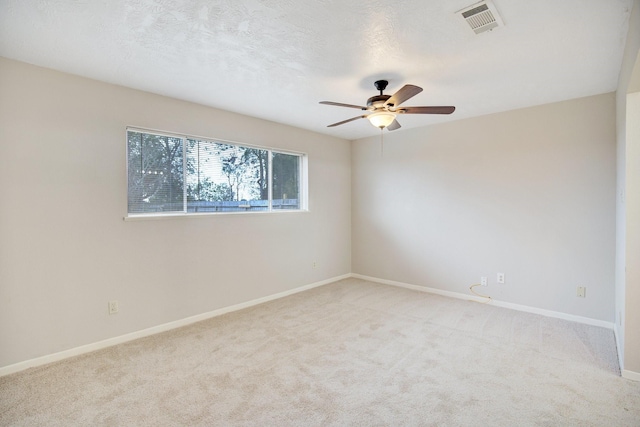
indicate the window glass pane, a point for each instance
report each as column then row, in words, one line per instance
column 182, row 174
column 226, row 178
column 286, row 181
column 155, row 173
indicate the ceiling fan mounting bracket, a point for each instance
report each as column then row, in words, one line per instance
column 381, row 85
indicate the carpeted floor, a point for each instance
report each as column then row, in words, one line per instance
column 350, row 353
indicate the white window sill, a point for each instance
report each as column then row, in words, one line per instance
column 181, row 215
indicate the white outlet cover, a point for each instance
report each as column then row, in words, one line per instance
column 113, row 307
column 500, row 278
column 483, row 281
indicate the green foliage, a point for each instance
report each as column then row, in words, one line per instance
column 155, row 172
column 286, row 172
column 209, row 191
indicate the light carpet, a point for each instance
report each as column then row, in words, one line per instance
column 351, row 353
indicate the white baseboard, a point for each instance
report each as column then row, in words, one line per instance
column 418, row 288
column 76, row 351
column 616, row 335
column 630, row 375
column 543, row 312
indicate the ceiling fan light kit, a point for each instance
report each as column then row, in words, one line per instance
column 383, row 109
column 381, row 119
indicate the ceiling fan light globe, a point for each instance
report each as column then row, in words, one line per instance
column 382, row 119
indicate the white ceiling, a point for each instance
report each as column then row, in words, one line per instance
column 276, row 59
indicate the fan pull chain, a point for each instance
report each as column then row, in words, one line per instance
column 381, row 142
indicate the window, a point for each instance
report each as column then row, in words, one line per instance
column 180, row 174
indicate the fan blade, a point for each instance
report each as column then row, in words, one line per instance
column 394, row 125
column 346, row 121
column 405, row 92
column 338, row 104
column 426, row 110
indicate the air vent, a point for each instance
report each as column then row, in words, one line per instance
column 481, row 17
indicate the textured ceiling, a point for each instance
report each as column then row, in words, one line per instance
column 276, row 59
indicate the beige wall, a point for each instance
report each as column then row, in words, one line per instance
column 65, row 249
column 530, row 193
column 627, row 264
column 632, row 202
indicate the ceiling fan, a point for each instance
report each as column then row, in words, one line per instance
column 383, row 109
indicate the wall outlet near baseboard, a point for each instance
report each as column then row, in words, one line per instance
column 500, row 278
column 582, row 292
column 483, row 281
column 113, row 307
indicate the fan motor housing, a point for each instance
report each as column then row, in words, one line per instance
column 377, row 101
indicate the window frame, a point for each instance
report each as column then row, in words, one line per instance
column 302, row 177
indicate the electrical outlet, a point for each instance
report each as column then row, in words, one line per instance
column 113, row 307
column 582, row 291
column 314, row 264
column 483, row 281
column 500, row 278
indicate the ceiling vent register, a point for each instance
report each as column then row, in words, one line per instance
column 481, row 17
